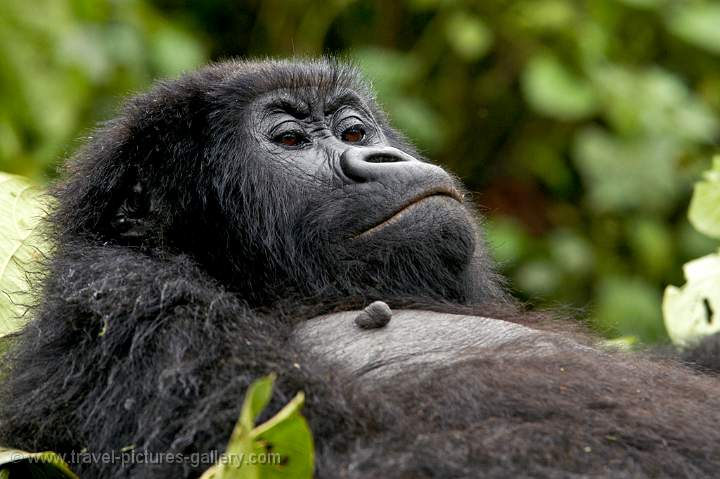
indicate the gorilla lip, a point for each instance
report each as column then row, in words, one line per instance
column 397, row 214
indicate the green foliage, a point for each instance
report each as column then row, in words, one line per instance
column 582, row 123
column 697, row 24
column 468, row 35
column 16, row 464
column 691, row 311
column 63, row 65
column 286, row 436
column 553, row 90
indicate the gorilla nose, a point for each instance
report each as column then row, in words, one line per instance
column 372, row 164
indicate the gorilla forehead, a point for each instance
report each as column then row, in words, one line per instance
column 310, row 81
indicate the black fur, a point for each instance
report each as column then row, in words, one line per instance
column 184, row 261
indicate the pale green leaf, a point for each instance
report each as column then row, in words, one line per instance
column 25, row 465
column 690, row 311
column 704, row 213
column 21, row 207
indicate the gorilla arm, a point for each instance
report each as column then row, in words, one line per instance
column 129, row 349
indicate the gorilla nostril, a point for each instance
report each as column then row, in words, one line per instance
column 383, row 158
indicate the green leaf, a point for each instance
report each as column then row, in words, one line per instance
column 553, row 90
column 21, row 208
column 16, row 464
column 544, row 14
column 468, row 36
column 698, row 24
column 281, row 448
column 287, row 434
column 691, row 312
column 257, row 398
column 704, row 213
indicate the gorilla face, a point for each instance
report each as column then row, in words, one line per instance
column 338, row 142
column 350, row 194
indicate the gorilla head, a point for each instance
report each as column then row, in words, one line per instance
column 280, row 177
column 231, row 223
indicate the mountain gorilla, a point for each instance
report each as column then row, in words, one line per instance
column 233, row 223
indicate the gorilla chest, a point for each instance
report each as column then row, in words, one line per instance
column 416, row 339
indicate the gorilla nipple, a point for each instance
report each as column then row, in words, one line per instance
column 375, row 316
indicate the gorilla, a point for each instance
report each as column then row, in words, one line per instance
column 238, row 221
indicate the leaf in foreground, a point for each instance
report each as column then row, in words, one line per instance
column 704, row 211
column 693, row 311
column 281, row 448
column 21, row 208
column 16, row 464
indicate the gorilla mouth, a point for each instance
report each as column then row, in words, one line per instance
column 441, row 192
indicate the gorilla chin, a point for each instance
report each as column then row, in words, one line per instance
column 244, row 219
column 417, row 213
column 430, row 238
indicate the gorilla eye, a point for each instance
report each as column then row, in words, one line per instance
column 291, row 138
column 354, row 134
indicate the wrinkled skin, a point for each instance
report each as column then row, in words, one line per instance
column 233, row 222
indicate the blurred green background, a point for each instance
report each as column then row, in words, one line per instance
column 580, row 126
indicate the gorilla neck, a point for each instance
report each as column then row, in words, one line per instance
column 422, row 281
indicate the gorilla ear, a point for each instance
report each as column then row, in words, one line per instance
column 131, row 218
